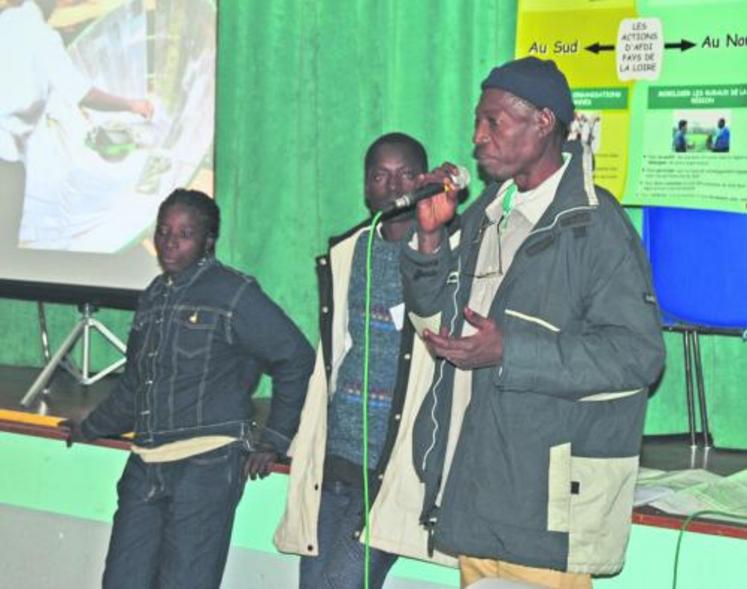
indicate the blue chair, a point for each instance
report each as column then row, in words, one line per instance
column 699, row 265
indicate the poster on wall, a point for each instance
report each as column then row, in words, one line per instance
column 660, row 89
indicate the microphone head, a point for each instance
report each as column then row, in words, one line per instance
column 461, row 178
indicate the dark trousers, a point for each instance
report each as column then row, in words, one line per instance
column 173, row 522
column 340, row 564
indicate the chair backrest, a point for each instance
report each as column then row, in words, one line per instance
column 699, row 264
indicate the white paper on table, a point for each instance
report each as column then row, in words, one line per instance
column 653, row 485
column 725, row 494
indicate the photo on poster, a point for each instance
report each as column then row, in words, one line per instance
column 701, row 131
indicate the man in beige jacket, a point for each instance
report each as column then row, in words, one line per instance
column 324, row 518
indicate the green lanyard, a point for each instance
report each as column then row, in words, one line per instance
column 508, row 204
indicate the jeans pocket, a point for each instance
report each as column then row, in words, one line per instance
column 222, row 466
column 137, row 480
column 212, row 457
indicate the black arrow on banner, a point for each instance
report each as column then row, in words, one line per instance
column 596, row 48
column 683, row 45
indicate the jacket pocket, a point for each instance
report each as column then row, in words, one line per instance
column 591, row 499
column 559, row 488
column 195, row 328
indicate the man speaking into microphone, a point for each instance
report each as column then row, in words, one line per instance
column 547, row 331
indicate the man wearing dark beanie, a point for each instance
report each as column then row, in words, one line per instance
column 547, row 333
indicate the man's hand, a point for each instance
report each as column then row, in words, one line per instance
column 436, row 211
column 484, row 348
column 142, row 107
column 260, row 463
column 75, row 433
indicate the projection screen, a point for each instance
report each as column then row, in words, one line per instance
column 94, row 178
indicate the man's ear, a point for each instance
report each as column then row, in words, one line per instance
column 546, row 121
column 209, row 244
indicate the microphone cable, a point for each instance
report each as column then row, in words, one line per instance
column 364, row 393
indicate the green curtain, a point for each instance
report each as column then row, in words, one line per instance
column 304, row 86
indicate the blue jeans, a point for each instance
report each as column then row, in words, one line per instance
column 341, row 559
column 173, row 522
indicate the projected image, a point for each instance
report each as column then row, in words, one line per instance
column 132, row 120
column 701, row 130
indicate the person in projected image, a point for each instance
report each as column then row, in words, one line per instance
column 722, row 140
column 202, row 335
column 324, row 515
column 35, row 65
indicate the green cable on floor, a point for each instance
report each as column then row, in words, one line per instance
column 683, row 528
column 366, row 351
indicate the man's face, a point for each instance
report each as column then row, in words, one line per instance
column 507, row 135
column 392, row 174
column 180, row 239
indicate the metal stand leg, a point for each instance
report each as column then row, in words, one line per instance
column 82, row 329
column 689, row 389
column 44, row 338
column 43, row 332
column 701, row 391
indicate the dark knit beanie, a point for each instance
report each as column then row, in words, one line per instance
column 537, row 81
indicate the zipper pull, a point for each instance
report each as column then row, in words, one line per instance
column 430, row 528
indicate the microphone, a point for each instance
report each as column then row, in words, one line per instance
column 457, row 181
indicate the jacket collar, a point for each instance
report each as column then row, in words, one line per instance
column 576, row 189
column 188, row 275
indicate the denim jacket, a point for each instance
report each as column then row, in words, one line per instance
column 199, row 343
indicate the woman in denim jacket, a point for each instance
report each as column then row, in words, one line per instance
column 202, row 335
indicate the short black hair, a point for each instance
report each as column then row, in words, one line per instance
column 408, row 144
column 682, row 124
column 205, row 207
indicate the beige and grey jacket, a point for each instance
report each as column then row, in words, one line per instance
column 396, row 492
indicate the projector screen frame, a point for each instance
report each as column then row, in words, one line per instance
column 70, row 294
